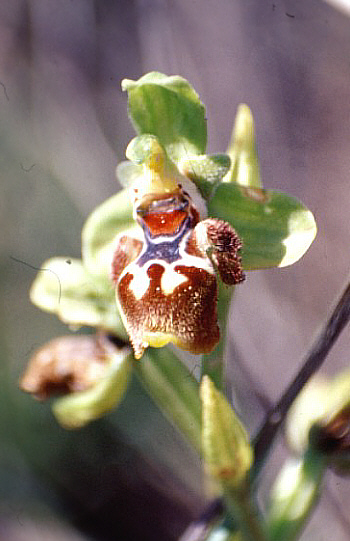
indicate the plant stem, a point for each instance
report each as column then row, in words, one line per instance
column 338, row 319
column 241, row 507
column 175, row 390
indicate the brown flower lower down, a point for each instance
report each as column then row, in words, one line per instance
column 67, row 364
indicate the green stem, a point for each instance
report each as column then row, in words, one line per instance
column 213, row 363
column 174, row 389
column 241, row 507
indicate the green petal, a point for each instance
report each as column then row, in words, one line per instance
column 276, row 229
column 169, row 108
column 242, row 151
column 65, row 288
column 100, row 231
column 77, row 409
column 128, row 173
column 206, row 171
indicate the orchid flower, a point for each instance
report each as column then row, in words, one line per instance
column 158, row 255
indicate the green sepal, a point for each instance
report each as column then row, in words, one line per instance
column 206, row 171
column 170, row 109
column 65, row 288
column 77, row 409
column 276, row 229
column 100, row 231
column 227, row 453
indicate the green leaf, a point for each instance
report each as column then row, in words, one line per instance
column 170, row 109
column 77, row 409
column 276, row 229
column 100, row 231
column 65, row 288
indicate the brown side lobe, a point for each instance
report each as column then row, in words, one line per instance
column 128, row 248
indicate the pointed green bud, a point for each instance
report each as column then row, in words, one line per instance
column 242, row 150
column 79, row 408
column 226, row 449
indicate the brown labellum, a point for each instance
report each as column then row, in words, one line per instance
column 67, row 364
column 166, row 286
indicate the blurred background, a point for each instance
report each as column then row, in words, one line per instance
column 64, row 128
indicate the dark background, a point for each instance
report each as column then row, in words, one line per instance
column 63, row 128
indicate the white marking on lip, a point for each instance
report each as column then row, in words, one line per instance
column 170, row 280
column 139, row 283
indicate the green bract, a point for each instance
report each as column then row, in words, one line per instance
column 226, row 449
column 174, row 389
